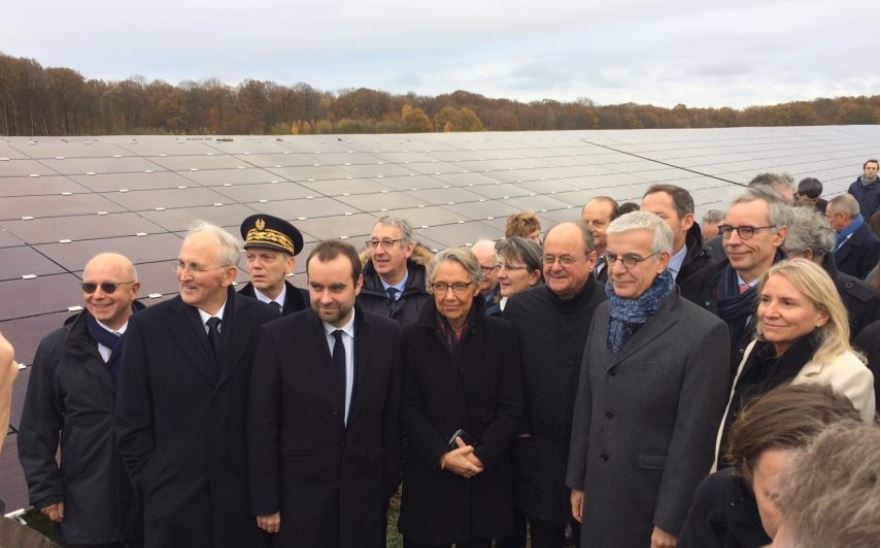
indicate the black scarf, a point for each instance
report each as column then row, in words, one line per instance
column 734, row 307
column 108, row 339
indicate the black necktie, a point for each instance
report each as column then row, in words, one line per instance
column 213, row 324
column 339, row 362
column 391, row 292
column 276, row 306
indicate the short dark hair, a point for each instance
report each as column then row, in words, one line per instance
column 328, row 250
column 616, row 211
column 682, row 200
column 528, row 251
column 870, row 162
column 628, row 207
column 810, row 187
column 787, row 417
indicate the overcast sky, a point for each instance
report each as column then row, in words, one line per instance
column 701, row 53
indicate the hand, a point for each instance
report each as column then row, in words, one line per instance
column 55, row 512
column 662, row 539
column 576, row 498
column 457, row 461
column 472, row 457
column 270, row 523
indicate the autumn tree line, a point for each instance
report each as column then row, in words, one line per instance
column 59, row 101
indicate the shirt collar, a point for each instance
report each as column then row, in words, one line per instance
column 400, row 285
column 264, row 298
column 206, row 316
column 348, row 329
column 676, row 260
column 119, row 331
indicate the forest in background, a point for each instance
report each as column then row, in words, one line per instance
column 59, row 101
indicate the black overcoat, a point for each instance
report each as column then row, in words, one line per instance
column 859, row 254
column 405, row 310
column 479, row 391
column 330, row 480
column 180, row 422
column 295, row 298
column 551, row 333
column 70, row 399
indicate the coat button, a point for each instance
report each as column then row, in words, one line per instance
column 604, row 457
column 609, row 415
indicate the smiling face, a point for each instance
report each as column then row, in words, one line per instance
column 630, row 283
column 204, row 281
column 515, row 276
column 268, row 268
column 567, row 264
column 332, row 290
column 786, row 314
column 390, row 260
column 111, row 309
column 754, row 256
column 453, row 305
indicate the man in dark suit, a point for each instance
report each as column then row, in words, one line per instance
column 653, row 381
column 856, row 247
column 180, row 414
column 597, row 213
column 324, row 434
column 271, row 245
column 68, row 412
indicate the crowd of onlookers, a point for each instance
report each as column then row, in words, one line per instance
column 629, row 378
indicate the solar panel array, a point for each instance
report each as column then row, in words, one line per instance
column 63, row 200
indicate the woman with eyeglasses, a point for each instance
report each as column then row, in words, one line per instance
column 802, row 336
column 461, row 404
column 519, row 269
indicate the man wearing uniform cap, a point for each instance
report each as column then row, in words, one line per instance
column 270, row 246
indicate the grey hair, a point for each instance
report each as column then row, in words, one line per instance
column 829, row 494
column 461, row 255
column 525, row 250
column 713, row 216
column 662, row 236
column 809, row 230
column 230, row 248
column 845, row 203
column 400, row 224
column 779, row 213
column 483, row 242
column 773, row 180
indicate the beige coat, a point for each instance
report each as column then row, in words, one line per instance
column 846, row 374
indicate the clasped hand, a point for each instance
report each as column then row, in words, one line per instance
column 462, row 461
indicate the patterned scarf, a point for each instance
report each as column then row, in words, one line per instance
column 108, row 339
column 628, row 315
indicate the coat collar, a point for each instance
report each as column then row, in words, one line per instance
column 660, row 322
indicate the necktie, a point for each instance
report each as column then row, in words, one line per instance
column 601, row 262
column 743, row 288
column 213, row 324
column 392, row 294
column 276, row 306
column 339, row 363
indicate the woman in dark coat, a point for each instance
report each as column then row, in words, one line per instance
column 461, row 374
column 735, row 507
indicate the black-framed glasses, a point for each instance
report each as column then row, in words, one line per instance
column 107, row 287
column 459, row 288
column 744, row 232
column 373, row 243
column 629, row 260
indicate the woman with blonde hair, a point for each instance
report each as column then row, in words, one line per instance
column 802, row 336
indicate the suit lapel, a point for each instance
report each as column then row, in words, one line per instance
column 183, row 322
column 237, row 339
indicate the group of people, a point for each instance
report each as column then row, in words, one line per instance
column 584, row 382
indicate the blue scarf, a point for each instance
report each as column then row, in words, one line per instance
column 108, row 339
column 628, row 315
column 841, row 237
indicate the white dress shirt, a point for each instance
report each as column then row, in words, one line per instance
column 349, row 344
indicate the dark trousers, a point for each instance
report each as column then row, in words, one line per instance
column 472, row 543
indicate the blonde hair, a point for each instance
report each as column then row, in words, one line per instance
column 814, row 283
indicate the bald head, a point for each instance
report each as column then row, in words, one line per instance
column 110, row 286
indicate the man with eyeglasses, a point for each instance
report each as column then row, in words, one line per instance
column 182, row 406
column 652, row 384
column 753, row 232
column 271, row 245
column 394, row 271
column 551, row 322
column 68, row 411
column 485, row 251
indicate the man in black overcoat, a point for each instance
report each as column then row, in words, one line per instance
column 856, row 247
column 324, row 433
column 68, row 412
column 551, row 323
column 271, row 245
column 180, row 414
